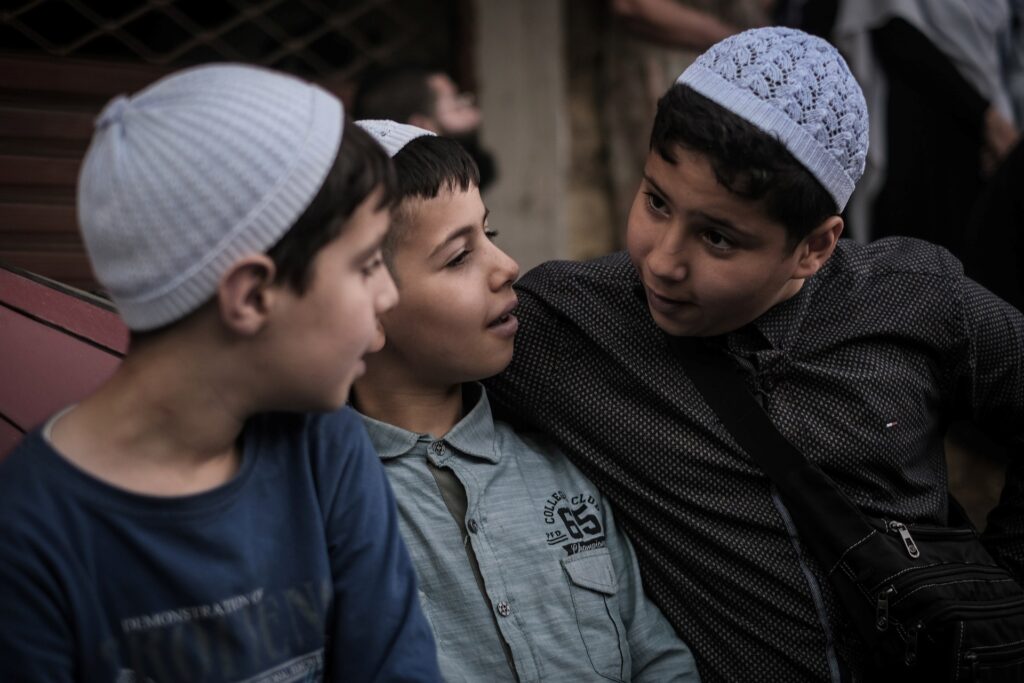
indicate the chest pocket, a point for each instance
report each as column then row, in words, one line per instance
column 592, row 585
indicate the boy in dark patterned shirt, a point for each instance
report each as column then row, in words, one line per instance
column 861, row 356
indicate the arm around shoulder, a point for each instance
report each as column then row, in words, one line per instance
column 992, row 377
column 523, row 388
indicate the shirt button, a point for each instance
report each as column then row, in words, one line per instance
column 472, row 526
column 437, row 447
column 504, row 609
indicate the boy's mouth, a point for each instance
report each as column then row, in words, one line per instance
column 506, row 319
column 664, row 304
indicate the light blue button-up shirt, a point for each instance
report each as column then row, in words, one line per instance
column 562, row 583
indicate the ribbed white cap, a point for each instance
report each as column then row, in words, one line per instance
column 194, row 172
column 391, row 135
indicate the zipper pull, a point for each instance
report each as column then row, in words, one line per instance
column 908, row 540
column 910, row 656
column 972, row 657
column 882, row 609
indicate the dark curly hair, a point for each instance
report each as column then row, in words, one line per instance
column 360, row 167
column 748, row 162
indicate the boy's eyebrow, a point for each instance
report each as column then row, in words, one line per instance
column 722, row 222
column 460, row 232
column 370, row 251
column 454, row 235
column 650, row 181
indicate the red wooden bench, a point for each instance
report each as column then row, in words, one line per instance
column 57, row 344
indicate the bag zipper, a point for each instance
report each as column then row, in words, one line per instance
column 885, row 599
column 925, row 530
column 910, row 654
column 992, row 610
column 882, row 608
column 923, row 574
column 961, row 571
column 901, row 529
column 1002, row 654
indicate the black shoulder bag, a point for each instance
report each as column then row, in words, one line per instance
column 930, row 602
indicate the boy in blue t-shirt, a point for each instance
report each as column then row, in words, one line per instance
column 184, row 522
column 523, row 573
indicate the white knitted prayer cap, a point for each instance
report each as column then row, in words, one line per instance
column 797, row 88
column 391, row 135
column 194, row 172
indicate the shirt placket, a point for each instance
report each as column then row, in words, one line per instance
column 496, row 589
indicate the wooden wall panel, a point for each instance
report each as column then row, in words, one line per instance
column 47, row 109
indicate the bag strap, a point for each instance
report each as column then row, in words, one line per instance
column 719, row 381
column 827, row 519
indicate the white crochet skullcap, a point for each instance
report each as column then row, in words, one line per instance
column 194, row 172
column 391, row 135
column 798, row 88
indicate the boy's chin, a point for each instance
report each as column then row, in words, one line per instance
column 676, row 328
column 329, row 403
column 485, row 371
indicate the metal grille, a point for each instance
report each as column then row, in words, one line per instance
column 308, row 37
column 61, row 60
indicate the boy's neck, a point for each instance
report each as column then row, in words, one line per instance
column 419, row 409
column 163, row 424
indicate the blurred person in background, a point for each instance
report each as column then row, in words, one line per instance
column 430, row 99
column 942, row 118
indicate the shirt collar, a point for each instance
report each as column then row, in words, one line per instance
column 780, row 323
column 473, row 434
column 388, row 440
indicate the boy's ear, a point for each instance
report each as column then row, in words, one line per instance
column 815, row 249
column 245, row 294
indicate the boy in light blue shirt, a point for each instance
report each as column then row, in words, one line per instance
column 523, row 573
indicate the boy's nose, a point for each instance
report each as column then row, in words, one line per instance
column 667, row 261
column 506, row 270
column 387, row 294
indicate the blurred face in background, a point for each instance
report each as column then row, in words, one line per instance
column 455, row 113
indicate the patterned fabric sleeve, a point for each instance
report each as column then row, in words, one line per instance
column 522, row 391
column 992, row 376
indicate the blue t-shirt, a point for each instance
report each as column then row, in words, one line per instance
column 292, row 571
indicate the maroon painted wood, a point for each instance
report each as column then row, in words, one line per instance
column 57, row 345
column 74, row 311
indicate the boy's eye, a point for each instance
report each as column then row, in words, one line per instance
column 717, row 240
column 490, row 233
column 373, row 265
column 656, row 203
column 458, row 260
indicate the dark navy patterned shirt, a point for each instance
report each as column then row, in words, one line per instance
column 862, row 370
